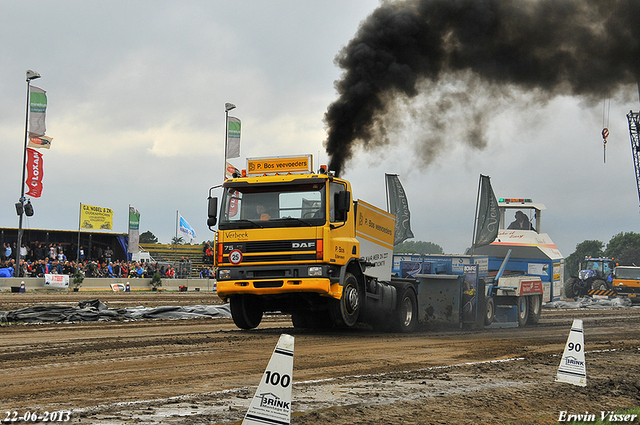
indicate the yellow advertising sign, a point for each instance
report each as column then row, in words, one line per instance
column 96, row 218
column 375, row 225
column 279, row 164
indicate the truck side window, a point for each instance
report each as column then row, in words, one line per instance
column 334, row 188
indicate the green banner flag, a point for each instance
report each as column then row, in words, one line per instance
column 37, row 111
column 233, row 141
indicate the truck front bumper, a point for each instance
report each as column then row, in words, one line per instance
column 321, row 286
column 277, row 279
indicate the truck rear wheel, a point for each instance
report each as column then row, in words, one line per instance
column 523, row 310
column 490, row 312
column 346, row 310
column 535, row 309
column 406, row 317
column 246, row 311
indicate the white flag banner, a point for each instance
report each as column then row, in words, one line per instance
column 233, row 138
column 185, row 230
column 134, row 230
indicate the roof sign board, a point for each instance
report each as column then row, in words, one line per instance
column 279, row 164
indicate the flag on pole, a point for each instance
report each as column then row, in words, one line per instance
column 37, row 111
column 40, row 142
column 185, row 230
column 488, row 214
column 230, row 170
column 34, row 173
column 399, row 206
column 134, row 230
column 233, row 138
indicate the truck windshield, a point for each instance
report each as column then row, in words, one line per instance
column 283, row 205
column 628, row 273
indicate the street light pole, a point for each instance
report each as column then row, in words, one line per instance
column 227, row 108
column 31, row 75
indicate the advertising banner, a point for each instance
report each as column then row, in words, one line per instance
column 37, row 111
column 134, row 230
column 95, row 218
column 34, row 173
column 279, row 164
column 488, row 214
column 57, row 281
column 233, row 138
column 399, row 206
column 374, row 231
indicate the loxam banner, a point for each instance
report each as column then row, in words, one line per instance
column 34, row 173
column 95, row 218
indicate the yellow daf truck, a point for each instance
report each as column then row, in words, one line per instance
column 292, row 240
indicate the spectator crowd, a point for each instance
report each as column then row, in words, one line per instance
column 40, row 259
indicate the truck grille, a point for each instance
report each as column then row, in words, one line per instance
column 274, row 251
column 268, row 284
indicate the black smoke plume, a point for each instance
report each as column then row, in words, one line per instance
column 457, row 57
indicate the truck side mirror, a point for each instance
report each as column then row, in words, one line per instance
column 343, row 205
column 213, row 212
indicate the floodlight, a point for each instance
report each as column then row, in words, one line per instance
column 32, row 75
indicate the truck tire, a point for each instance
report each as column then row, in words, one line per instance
column 570, row 288
column 535, row 309
column 299, row 320
column 523, row 311
column 246, row 311
column 311, row 319
column 406, row 314
column 345, row 311
column 490, row 312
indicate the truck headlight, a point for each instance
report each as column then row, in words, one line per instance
column 224, row 274
column 315, row 271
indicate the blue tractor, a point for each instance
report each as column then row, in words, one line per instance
column 596, row 274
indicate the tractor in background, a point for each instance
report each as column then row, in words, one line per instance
column 595, row 275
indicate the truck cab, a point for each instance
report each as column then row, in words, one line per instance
column 626, row 281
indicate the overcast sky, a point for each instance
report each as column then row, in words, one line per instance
column 136, row 93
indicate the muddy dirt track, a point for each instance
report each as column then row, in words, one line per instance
column 205, row 371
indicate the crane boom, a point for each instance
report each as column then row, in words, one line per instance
column 634, row 134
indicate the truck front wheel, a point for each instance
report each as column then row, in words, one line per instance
column 407, row 311
column 345, row 311
column 523, row 311
column 246, row 311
